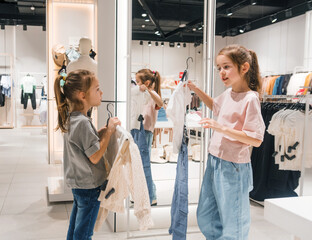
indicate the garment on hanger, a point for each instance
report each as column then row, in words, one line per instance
column 2, row 97
column 277, row 89
column 285, row 84
column 176, row 109
column 268, row 180
column 72, row 54
column 125, row 175
column 179, row 205
column 5, row 82
column 139, row 138
column 270, row 85
column 28, row 84
column 296, row 81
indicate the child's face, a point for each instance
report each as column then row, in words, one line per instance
column 139, row 81
column 228, row 71
column 94, row 94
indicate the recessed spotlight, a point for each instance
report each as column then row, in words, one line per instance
column 156, row 44
column 182, row 25
column 144, row 14
column 229, row 12
column 162, row 44
column 253, row 2
column 143, row 26
column 32, row 8
column 178, row 45
column 273, row 18
column 149, row 43
column 141, row 42
column 184, row 44
column 147, row 20
column 194, row 29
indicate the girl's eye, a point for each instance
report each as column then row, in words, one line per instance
column 219, row 69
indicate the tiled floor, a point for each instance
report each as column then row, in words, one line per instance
column 25, row 213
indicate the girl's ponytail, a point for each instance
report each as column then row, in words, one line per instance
column 157, row 82
column 253, row 75
column 62, row 105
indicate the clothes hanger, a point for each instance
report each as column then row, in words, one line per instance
column 109, row 112
column 185, row 71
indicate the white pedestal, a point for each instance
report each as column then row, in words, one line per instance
column 56, row 190
column 294, row 215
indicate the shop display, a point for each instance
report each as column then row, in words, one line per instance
column 28, row 90
column 58, row 53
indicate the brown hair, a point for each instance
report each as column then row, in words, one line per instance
column 239, row 55
column 66, row 96
column 153, row 76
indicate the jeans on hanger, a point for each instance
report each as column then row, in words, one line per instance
column 149, row 141
column 179, row 205
column 139, row 138
column 32, row 97
column 84, row 213
column 223, row 210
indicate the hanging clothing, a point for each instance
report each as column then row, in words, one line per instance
column 285, row 84
column 277, row 89
column 5, row 81
column 268, row 180
column 150, row 111
column 179, row 205
column 139, row 138
column 125, row 175
column 25, row 96
column 270, row 85
column 2, row 97
column 176, row 109
column 296, row 81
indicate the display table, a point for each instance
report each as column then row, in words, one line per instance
column 294, row 215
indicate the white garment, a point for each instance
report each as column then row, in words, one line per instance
column 43, row 111
column 176, row 108
column 6, row 81
column 44, row 84
column 138, row 100
column 126, row 176
column 28, row 82
column 296, row 81
column 84, row 62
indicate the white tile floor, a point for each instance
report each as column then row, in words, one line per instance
column 25, row 213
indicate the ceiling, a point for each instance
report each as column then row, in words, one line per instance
column 174, row 20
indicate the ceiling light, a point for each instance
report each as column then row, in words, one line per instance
column 143, row 26
column 25, row 27
column 178, row 45
column 156, row 44
column 149, row 43
column 2, row 26
column 288, row 13
column 171, row 44
column 194, row 29
column 273, row 18
column 229, row 12
column 141, row 42
column 184, row 44
column 248, row 27
column 253, row 2
column 147, row 20
column 157, row 32
column 241, row 29
column 32, row 8
column 182, row 25
column 144, row 14
column 162, row 44
column 200, row 28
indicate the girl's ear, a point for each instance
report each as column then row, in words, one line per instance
column 245, row 67
column 147, row 83
column 81, row 95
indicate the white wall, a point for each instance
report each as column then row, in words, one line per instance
column 280, row 46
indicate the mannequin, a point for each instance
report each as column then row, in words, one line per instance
column 84, row 61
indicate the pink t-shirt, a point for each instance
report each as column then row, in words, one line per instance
column 240, row 111
column 150, row 115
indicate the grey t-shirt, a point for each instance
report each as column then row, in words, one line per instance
column 80, row 142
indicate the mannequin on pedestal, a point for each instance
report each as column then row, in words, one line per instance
column 84, row 61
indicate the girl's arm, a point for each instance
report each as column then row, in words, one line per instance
column 157, row 99
column 236, row 134
column 105, row 134
column 201, row 94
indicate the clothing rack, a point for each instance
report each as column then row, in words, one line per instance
column 307, row 109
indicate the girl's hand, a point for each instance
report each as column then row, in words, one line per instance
column 102, row 132
column 210, row 123
column 143, row 88
column 112, row 124
column 191, row 85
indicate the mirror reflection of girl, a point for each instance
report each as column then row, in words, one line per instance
column 223, row 209
column 149, row 81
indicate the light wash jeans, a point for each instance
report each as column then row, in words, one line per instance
column 223, row 211
column 149, row 140
column 84, row 213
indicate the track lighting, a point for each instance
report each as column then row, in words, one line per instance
column 178, row 45
column 2, row 26
column 273, row 18
column 242, row 29
column 156, row 44
column 162, row 44
column 149, row 43
column 32, row 8
column 25, row 27
column 144, row 14
column 229, row 12
column 147, row 20
column 184, row 44
column 253, row 2
column 143, row 26
column 141, row 42
column 171, row 44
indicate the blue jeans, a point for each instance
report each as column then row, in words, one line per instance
column 84, row 213
column 179, row 206
column 139, row 138
column 223, row 211
column 149, row 140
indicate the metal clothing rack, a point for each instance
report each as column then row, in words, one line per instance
column 306, row 119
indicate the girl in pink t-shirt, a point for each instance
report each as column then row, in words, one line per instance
column 149, row 80
column 223, row 210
